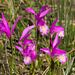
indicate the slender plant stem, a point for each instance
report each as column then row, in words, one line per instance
column 37, row 38
column 12, row 51
column 51, row 60
column 52, row 67
column 33, row 68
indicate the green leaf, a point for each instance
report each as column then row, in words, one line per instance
column 69, row 66
column 63, row 72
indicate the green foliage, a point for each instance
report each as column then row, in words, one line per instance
column 69, row 66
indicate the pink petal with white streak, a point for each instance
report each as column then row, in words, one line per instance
column 27, row 60
column 44, row 30
column 62, row 58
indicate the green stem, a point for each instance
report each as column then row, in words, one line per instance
column 12, row 50
column 33, row 68
column 51, row 60
column 37, row 38
column 52, row 67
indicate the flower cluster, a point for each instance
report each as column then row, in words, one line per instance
column 28, row 50
column 27, row 47
column 55, row 51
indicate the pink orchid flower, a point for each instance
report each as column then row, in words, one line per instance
column 27, row 47
column 4, row 27
column 60, row 54
column 40, row 23
column 58, row 29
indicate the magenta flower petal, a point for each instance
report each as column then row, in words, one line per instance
column 5, row 22
column 2, row 25
column 55, row 40
column 28, row 41
column 54, row 23
column 25, row 39
column 26, row 31
column 57, row 44
column 27, row 36
column 3, row 30
column 41, row 22
column 15, row 24
column 46, row 50
column 52, row 27
column 32, row 46
column 56, row 51
column 19, row 43
column 6, row 26
column 58, row 28
column 31, row 11
column 44, row 12
column 27, row 60
column 33, row 54
column 20, row 49
column 43, row 8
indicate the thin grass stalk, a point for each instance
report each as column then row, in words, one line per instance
column 72, row 29
column 70, row 12
column 51, row 11
column 68, row 23
column 6, row 57
column 59, row 12
column 39, row 5
column 71, row 33
column 62, row 16
column 62, row 9
column 54, row 9
column 45, row 2
column 65, row 19
column 46, row 70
